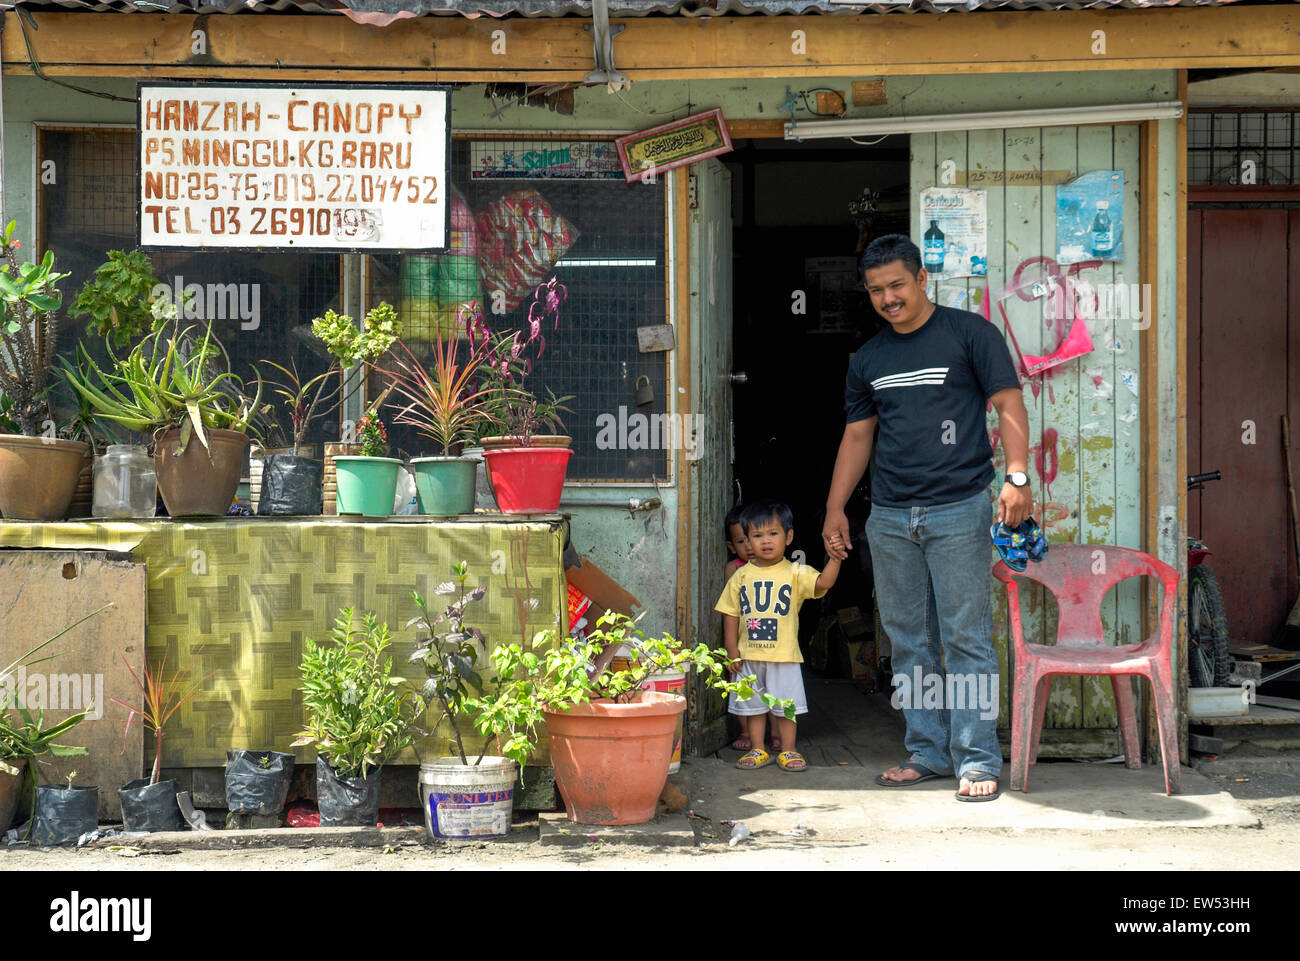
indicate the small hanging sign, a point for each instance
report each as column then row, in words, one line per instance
column 676, row 144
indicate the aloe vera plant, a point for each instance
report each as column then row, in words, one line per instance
column 167, row 381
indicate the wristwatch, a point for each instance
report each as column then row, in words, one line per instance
column 1018, row 478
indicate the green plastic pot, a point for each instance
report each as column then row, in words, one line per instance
column 445, row 485
column 366, row 485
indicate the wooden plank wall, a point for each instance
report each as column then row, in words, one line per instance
column 1084, row 416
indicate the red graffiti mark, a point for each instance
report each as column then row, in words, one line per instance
column 1053, row 513
column 1046, row 460
column 1096, row 380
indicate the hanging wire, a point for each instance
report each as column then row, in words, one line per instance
column 23, row 17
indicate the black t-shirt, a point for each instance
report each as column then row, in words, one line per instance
column 929, row 389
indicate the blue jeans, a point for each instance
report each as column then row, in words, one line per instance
column 931, row 569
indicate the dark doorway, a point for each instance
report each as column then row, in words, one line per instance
column 799, row 314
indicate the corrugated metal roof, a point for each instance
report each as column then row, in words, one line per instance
column 380, row 12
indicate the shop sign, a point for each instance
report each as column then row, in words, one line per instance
column 674, row 144
column 312, row 167
column 544, row 160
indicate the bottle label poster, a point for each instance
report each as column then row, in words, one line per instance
column 955, row 232
column 1090, row 218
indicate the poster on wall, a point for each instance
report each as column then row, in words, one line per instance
column 544, row 160
column 311, row 167
column 1090, row 218
column 955, row 226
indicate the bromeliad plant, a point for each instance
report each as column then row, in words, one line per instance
column 450, row 656
column 560, row 672
column 510, row 359
column 162, row 697
column 358, row 713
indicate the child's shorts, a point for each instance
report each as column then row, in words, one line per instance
column 781, row 679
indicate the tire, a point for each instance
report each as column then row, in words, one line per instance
column 1208, row 660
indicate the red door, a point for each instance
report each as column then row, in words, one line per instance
column 1243, row 373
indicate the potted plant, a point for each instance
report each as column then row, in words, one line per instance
column 526, row 468
column 119, row 298
column 149, row 804
column 365, row 482
column 24, row 738
column 446, row 404
column 257, row 784
column 358, row 716
column 290, row 481
column 171, row 387
column 38, row 471
column 461, row 797
column 611, row 740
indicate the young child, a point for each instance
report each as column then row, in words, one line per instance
column 738, row 545
column 760, row 627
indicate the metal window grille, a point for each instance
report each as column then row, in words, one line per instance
column 513, row 227
column 1241, row 147
column 260, row 305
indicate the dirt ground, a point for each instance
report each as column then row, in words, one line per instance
column 1273, row 845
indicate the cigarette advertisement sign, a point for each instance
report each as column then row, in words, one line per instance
column 313, row 167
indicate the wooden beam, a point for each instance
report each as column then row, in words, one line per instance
column 1180, row 434
column 681, row 267
column 457, row 49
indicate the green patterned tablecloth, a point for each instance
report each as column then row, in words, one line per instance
column 237, row 596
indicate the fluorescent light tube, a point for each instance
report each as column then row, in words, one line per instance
column 1011, row 119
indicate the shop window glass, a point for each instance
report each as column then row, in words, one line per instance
column 260, row 304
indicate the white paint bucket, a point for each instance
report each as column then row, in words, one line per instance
column 467, row 801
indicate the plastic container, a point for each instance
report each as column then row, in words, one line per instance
column 670, row 682
column 366, row 485
column 445, row 484
column 467, row 801
column 528, row 480
column 1216, row 702
column 125, row 483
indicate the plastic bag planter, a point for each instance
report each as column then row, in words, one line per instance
column 257, row 782
column 64, row 814
column 150, row 807
column 291, row 486
column 346, row 801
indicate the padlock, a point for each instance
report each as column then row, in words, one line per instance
column 645, row 394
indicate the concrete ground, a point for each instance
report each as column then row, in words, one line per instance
column 1242, row 814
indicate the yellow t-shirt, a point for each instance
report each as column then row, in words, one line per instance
column 767, row 599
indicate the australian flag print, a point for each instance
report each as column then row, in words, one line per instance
column 761, row 628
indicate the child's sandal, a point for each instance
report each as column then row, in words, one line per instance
column 754, row 760
column 791, row 761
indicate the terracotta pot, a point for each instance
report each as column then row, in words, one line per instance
column 38, row 476
column 202, row 481
column 538, row 440
column 11, row 786
column 611, row 760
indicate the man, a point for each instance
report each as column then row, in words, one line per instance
column 924, row 381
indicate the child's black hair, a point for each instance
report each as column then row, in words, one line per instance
column 760, row 511
column 733, row 517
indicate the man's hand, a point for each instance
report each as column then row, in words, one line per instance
column 1014, row 504
column 835, row 535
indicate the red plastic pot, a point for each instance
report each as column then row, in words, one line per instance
column 611, row 760
column 527, row 480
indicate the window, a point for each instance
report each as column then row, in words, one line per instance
column 1243, row 148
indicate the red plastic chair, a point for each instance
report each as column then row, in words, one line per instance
column 1081, row 648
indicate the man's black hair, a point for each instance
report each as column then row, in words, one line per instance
column 887, row 249
column 760, row 511
column 733, row 517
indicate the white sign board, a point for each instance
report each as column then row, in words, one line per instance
column 293, row 166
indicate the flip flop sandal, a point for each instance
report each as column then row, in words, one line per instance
column 757, row 758
column 791, row 761
column 921, row 769
column 742, row 743
column 974, row 777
